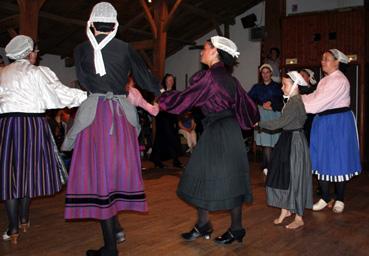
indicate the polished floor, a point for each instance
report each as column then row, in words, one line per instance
column 157, row 232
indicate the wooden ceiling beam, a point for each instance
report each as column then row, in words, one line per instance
column 149, row 18
column 171, row 14
column 214, row 18
column 145, row 33
column 9, row 22
column 146, row 58
column 28, row 17
column 133, row 21
column 160, row 43
column 12, row 33
column 141, row 45
column 46, row 15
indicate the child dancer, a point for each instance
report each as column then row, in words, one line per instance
column 288, row 182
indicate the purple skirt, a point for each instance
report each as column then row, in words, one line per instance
column 105, row 175
column 29, row 166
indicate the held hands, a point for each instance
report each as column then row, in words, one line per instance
column 135, row 97
column 154, row 110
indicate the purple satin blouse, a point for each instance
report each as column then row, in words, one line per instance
column 213, row 90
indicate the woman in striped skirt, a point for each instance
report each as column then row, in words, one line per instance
column 29, row 165
column 105, row 174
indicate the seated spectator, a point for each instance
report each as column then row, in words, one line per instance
column 187, row 127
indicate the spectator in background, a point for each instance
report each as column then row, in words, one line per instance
column 187, row 127
column 274, row 61
column 167, row 143
column 269, row 98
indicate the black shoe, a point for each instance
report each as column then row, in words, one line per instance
column 159, row 165
column 94, row 252
column 197, row 232
column 120, row 237
column 230, row 236
column 177, row 163
column 102, row 252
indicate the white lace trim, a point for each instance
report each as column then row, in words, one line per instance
column 335, row 178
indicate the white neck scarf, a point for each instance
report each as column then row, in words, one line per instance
column 98, row 58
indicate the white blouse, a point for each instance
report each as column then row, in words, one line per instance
column 27, row 88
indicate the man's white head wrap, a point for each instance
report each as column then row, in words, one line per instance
column 268, row 66
column 19, row 47
column 297, row 80
column 311, row 75
column 340, row 56
column 102, row 12
column 226, row 45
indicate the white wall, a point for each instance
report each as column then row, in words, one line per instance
column 56, row 64
column 188, row 62
column 319, row 5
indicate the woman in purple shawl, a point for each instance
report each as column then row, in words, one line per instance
column 217, row 175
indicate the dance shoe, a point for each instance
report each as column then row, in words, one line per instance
column 25, row 226
column 265, row 171
column 120, row 237
column 177, row 163
column 204, row 231
column 338, row 206
column 320, row 205
column 13, row 238
column 102, row 252
column 230, row 236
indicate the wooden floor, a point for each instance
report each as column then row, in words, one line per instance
column 157, row 232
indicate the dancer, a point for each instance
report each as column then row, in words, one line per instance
column 105, row 174
column 288, row 182
column 29, row 165
column 217, row 174
column 334, row 145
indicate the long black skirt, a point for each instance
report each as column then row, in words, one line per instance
column 217, row 175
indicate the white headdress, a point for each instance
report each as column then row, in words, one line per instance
column 268, row 66
column 19, row 47
column 311, row 75
column 340, row 56
column 102, row 12
column 297, row 80
column 225, row 44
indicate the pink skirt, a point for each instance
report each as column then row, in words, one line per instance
column 105, row 175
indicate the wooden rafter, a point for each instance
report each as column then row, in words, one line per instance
column 160, row 45
column 179, row 40
column 28, row 17
column 144, row 44
column 12, row 33
column 146, row 58
column 202, row 13
column 149, row 18
column 171, row 14
column 9, row 22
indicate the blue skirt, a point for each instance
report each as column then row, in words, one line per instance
column 267, row 138
column 334, row 147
